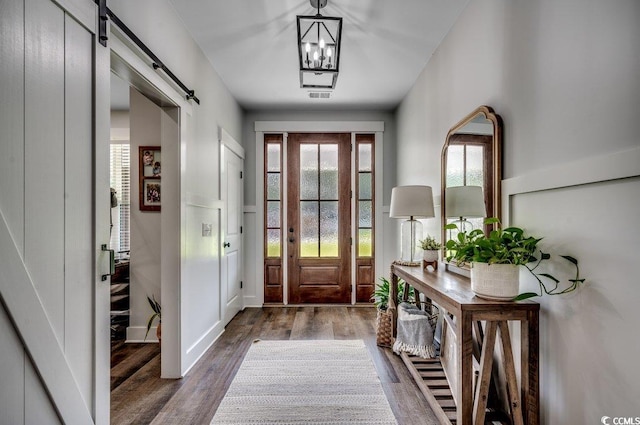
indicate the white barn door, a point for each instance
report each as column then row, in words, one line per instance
column 49, row 244
column 232, row 195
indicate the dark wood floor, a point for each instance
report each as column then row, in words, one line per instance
column 139, row 396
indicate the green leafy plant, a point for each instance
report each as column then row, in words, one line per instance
column 509, row 246
column 381, row 295
column 429, row 244
column 157, row 312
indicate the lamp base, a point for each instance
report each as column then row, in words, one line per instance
column 410, row 234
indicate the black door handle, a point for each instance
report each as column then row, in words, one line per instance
column 292, row 240
column 226, row 245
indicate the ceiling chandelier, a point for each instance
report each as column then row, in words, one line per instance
column 319, row 48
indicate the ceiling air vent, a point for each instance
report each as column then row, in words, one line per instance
column 319, row 94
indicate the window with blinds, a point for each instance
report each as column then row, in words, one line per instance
column 120, row 180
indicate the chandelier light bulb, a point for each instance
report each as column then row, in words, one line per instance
column 307, row 47
column 322, row 43
column 329, row 51
column 315, row 55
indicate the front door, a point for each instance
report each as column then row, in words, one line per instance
column 318, row 227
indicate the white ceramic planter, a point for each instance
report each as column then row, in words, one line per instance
column 430, row 255
column 495, row 281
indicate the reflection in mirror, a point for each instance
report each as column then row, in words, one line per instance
column 471, row 156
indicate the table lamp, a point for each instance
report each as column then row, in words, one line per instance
column 411, row 202
column 464, row 202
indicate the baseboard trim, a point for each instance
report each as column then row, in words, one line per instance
column 200, row 347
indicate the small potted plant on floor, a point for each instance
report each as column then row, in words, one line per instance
column 430, row 248
column 384, row 319
column 157, row 312
column 495, row 258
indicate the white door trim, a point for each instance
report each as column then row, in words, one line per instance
column 227, row 139
column 174, row 350
column 285, row 127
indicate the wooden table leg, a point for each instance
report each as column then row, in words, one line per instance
column 529, row 345
column 486, row 366
column 393, row 303
column 464, row 414
column 510, row 372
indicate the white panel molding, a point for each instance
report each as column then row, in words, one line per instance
column 226, row 139
column 252, row 300
column 319, row 126
column 27, row 313
column 617, row 165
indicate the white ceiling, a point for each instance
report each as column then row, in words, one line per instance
column 385, row 45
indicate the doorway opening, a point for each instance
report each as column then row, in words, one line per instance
column 144, row 161
column 320, row 215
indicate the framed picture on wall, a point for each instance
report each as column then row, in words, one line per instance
column 150, row 172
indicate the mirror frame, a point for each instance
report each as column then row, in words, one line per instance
column 496, row 121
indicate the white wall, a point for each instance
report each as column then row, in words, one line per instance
column 389, row 251
column 564, row 77
column 145, row 233
column 198, row 289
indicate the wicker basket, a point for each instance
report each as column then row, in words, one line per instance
column 384, row 328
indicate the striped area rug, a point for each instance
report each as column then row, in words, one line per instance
column 305, row 382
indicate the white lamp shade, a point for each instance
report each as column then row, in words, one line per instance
column 465, row 201
column 411, row 201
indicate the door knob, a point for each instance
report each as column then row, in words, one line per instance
column 226, row 245
column 292, row 240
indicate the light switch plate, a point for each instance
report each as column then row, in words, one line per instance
column 206, row 230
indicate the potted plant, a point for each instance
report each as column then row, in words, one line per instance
column 157, row 312
column 495, row 258
column 430, row 248
column 384, row 318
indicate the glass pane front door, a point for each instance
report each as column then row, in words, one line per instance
column 319, row 218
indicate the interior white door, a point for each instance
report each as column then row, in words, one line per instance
column 54, row 335
column 232, row 195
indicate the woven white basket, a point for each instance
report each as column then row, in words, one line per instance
column 430, row 255
column 495, row 281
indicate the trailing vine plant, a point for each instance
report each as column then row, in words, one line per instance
column 509, row 246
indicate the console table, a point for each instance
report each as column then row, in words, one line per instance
column 467, row 403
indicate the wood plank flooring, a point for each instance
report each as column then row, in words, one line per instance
column 139, row 396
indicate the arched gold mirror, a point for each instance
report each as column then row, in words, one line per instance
column 472, row 156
